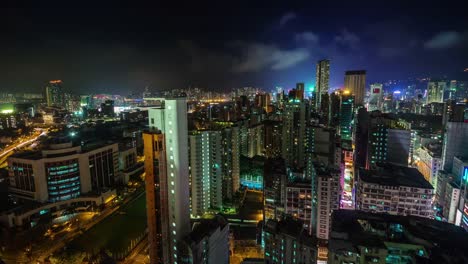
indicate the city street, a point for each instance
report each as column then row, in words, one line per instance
column 22, row 142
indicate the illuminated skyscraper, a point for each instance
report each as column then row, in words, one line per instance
column 346, row 114
column 322, row 78
column 295, row 115
column 54, row 94
column 206, row 171
column 355, row 81
column 167, row 180
column 387, row 141
column 435, row 91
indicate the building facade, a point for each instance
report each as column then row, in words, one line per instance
column 455, row 142
column 62, row 171
column 394, row 189
column 54, row 94
column 206, row 171
column 346, row 114
column 294, row 116
column 170, row 118
column 375, row 97
column 286, row 241
column 298, row 203
column 322, row 79
column 355, row 81
column 435, row 91
column 328, row 198
column 209, row 241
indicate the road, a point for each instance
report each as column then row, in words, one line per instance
column 43, row 247
column 19, row 144
column 138, row 254
column 60, row 243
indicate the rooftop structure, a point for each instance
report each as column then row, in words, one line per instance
column 381, row 238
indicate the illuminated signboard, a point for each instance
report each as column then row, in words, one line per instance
column 465, row 220
column 376, row 90
column 465, row 174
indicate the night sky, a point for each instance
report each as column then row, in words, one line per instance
column 219, row 47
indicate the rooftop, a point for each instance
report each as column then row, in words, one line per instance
column 394, row 175
column 352, row 228
column 291, row 227
column 356, row 72
column 434, row 149
column 68, row 149
column 205, row 228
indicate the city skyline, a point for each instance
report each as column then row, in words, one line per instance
column 216, row 134
column 123, row 50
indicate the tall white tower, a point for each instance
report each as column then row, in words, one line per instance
column 171, row 119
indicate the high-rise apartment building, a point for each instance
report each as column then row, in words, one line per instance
column 322, row 79
column 435, row 91
column 263, row 101
column 355, row 82
column 54, row 94
column 334, row 109
column 233, row 143
column 300, row 91
column 8, row 121
column 328, row 198
column 375, row 97
column 272, row 139
column 388, row 141
column 429, row 162
column 453, row 112
column 209, row 241
column 298, row 202
column 287, row 242
column 206, row 171
column 295, row 115
column 394, row 189
column 167, row 180
column 346, row 114
column 255, row 139
column 320, row 141
column 455, row 143
column 274, row 187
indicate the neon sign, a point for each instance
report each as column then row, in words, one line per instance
column 465, row 174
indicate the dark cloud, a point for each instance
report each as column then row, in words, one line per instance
column 287, row 18
column 392, row 39
column 121, row 50
column 347, row 39
column 307, row 37
column 259, row 56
